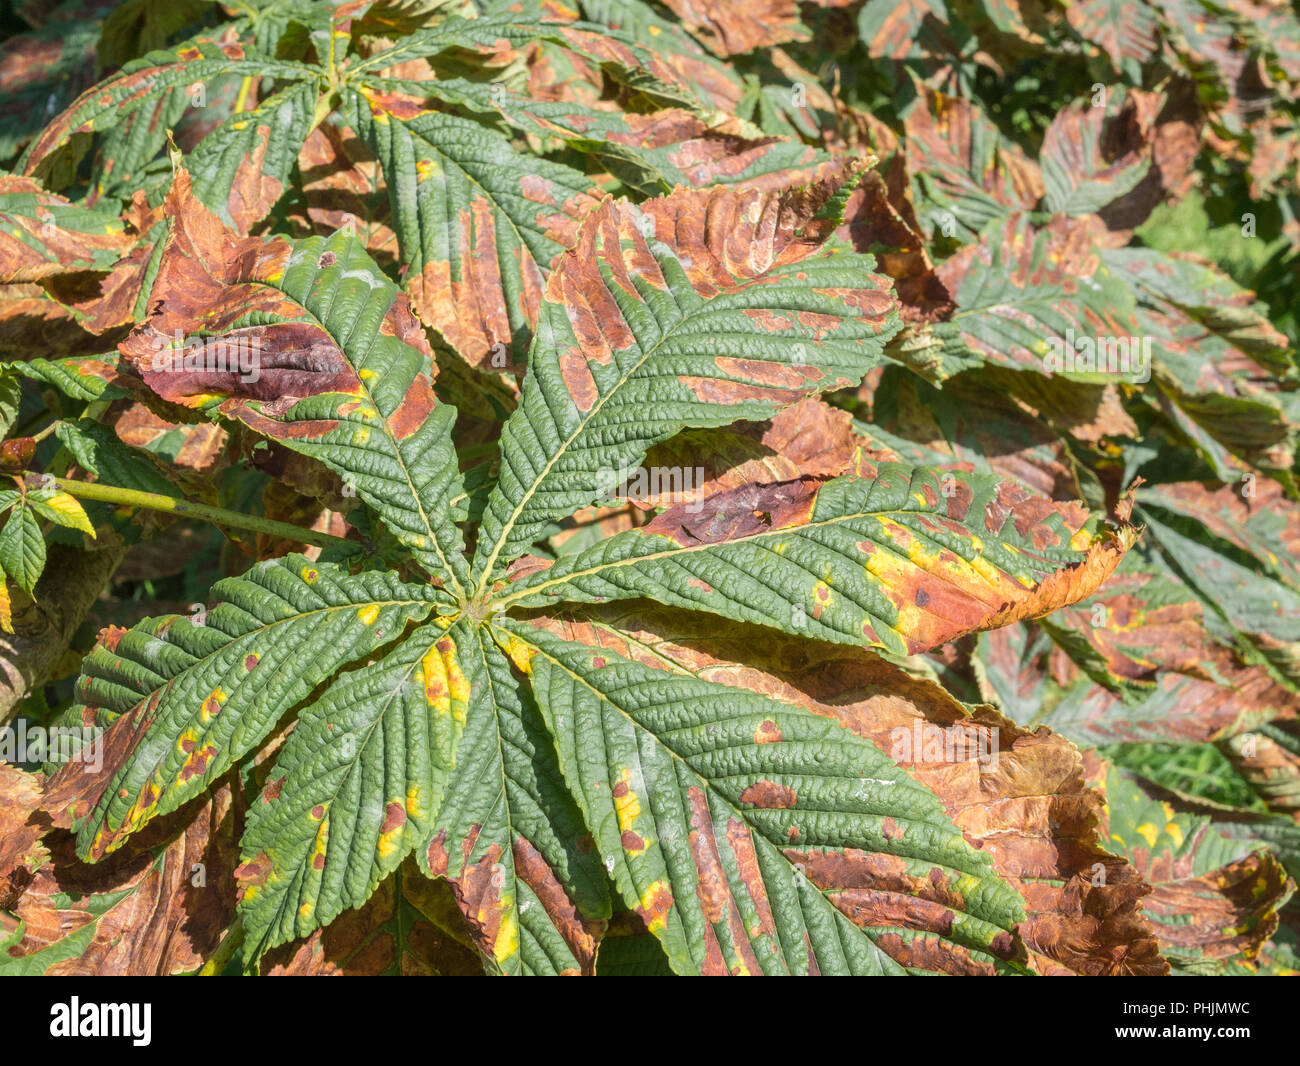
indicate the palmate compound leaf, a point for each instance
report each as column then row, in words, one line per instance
column 907, row 560
column 696, row 792
column 306, row 342
column 696, row 309
column 191, row 695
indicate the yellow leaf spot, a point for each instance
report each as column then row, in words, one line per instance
column 368, row 613
column 414, row 797
column 653, row 906
column 521, row 654
column 1175, row 831
column 628, row 804
column 1148, row 832
column 507, row 941
column 309, row 574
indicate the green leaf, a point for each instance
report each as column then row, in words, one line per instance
column 640, row 337
column 911, row 559
column 509, row 837
column 99, row 450
column 22, row 548
column 11, row 395
column 722, row 814
column 353, row 791
column 195, row 694
column 342, row 369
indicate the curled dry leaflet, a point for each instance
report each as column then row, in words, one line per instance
column 656, row 488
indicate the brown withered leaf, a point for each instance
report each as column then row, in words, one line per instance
column 1214, row 896
column 160, row 907
column 809, row 438
column 1029, row 809
column 21, row 829
column 730, row 29
column 409, row 927
column 31, row 322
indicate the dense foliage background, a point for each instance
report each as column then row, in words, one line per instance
column 1025, row 174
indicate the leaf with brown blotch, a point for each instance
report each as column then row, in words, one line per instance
column 43, row 235
column 705, row 306
column 871, row 223
column 134, row 108
column 1268, row 759
column 509, row 838
column 1216, row 356
column 1029, row 809
column 479, row 226
column 1213, row 896
column 160, row 908
column 342, row 188
column 807, row 438
column 1126, row 33
column 1251, row 596
column 907, row 560
column 652, row 153
column 365, row 942
column 974, row 423
column 730, row 29
column 1025, row 293
column 965, row 167
column 1134, row 663
column 309, row 344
